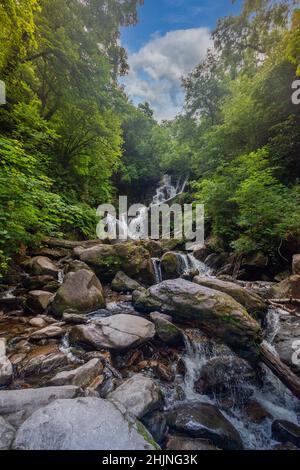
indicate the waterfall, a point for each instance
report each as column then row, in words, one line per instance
column 157, row 270
column 188, row 262
column 60, row 277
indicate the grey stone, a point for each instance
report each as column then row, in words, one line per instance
column 7, row 434
column 81, row 376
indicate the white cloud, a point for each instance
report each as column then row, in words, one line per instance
column 156, row 69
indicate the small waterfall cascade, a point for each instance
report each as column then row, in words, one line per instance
column 188, row 262
column 157, row 270
column 66, row 349
column 167, row 191
column 60, row 277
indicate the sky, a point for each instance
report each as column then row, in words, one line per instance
column 171, row 38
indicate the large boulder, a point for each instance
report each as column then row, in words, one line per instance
column 253, row 303
column 289, row 287
column 132, row 259
column 41, row 266
column 38, row 301
column 123, row 283
column 139, row 395
column 296, row 265
column 6, row 369
column 7, row 434
column 216, row 313
column 81, row 291
column 226, row 376
column 166, row 331
column 82, row 424
column 170, row 266
column 284, row 431
column 18, row 405
column 116, row 332
column 205, row 421
column 287, row 334
column 180, row 443
column 81, row 376
column 42, row 360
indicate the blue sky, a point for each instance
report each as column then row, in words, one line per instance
column 171, row 38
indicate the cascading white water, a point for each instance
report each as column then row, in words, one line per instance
column 188, row 262
column 157, row 270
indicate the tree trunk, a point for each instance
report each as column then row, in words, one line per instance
column 285, row 375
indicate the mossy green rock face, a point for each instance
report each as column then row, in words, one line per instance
column 81, row 291
column 251, row 301
column 290, row 287
column 123, row 283
column 166, row 331
column 216, row 313
column 169, row 266
column 132, row 259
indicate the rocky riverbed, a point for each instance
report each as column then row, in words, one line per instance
column 146, row 345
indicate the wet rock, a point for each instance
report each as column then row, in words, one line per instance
column 296, row 264
column 53, row 253
column 129, row 257
column 75, row 266
column 170, row 266
column 215, row 260
column 74, row 317
column 81, row 291
column 180, row 443
column 287, row 446
column 41, row 265
column 166, row 331
column 52, row 331
column 156, row 424
column 6, row 370
column 42, row 360
column 116, row 332
column 216, row 313
column 139, row 395
column 256, row 412
column 38, row 282
column 202, row 420
column 290, row 287
column 226, row 376
column 284, row 431
column 81, row 376
column 17, row 405
column 82, row 424
column 253, row 303
column 52, row 286
column 37, row 322
column 38, row 301
column 123, row 283
column 7, row 434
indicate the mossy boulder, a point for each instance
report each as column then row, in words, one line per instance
column 254, row 304
column 289, row 287
column 170, row 266
column 81, row 291
column 216, row 313
column 132, row 259
column 124, row 283
column 166, row 331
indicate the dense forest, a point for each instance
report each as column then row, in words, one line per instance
column 70, row 139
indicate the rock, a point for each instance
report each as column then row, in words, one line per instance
column 81, row 291
column 284, row 431
column 17, row 405
column 290, row 287
column 215, row 260
column 7, row 434
column 43, row 360
column 218, row 314
column 123, row 283
column 128, row 257
column 6, row 369
column 139, row 395
column 156, row 424
column 41, row 265
column 287, row 333
column 296, row 264
column 253, row 303
column 287, row 446
column 166, row 331
column 52, row 286
column 116, row 332
column 205, row 421
column 170, row 266
column 53, row 253
column 38, row 282
column 38, row 301
column 74, row 317
column 180, row 443
column 52, row 331
column 37, row 322
column 81, row 376
column 256, row 412
column 82, row 424
column 225, row 376
column 75, row 266
column 157, row 315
